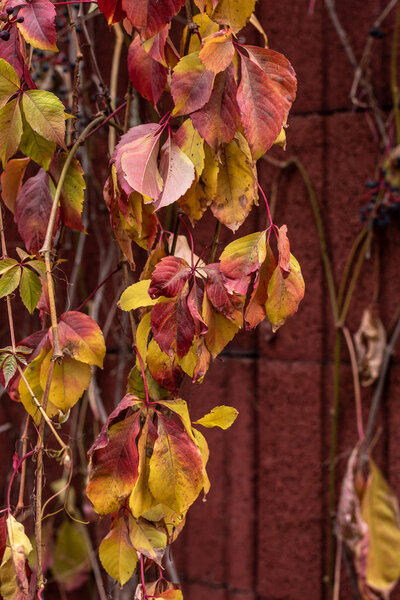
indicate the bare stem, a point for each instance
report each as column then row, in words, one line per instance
column 356, row 381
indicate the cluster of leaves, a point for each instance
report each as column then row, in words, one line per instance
column 227, row 104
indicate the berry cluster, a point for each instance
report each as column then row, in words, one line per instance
column 383, row 201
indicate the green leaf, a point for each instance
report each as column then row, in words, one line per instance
column 6, row 264
column 9, row 281
column 136, row 296
column 30, row 289
column 9, row 82
column 71, row 557
column 220, row 416
column 45, row 114
column 35, row 146
column 9, row 369
column 10, row 130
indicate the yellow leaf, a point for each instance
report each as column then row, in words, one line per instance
column 142, row 338
column 71, row 558
column 205, row 453
column 220, row 416
column 117, row 554
column 192, row 144
column 220, row 329
column 380, row 511
column 10, row 130
column 236, row 184
column 70, row 379
column 234, row 13
column 180, row 408
column 45, row 114
column 136, row 296
column 32, row 375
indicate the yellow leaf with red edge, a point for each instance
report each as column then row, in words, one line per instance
column 73, row 190
column 380, row 511
column 117, row 555
column 147, row 539
column 14, row 583
column 192, row 144
column 113, row 469
column 11, row 181
column 32, row 376
column 217, row 51
column 284, row 294
column 205, row 26
column 176, row 467
column 81, row 338
column 170, row 595
column 180, row 408
column 234, row 13
column 236, row 184
column 220, row 329
column 10, row 130
column 244, row 255
column 163, row 368
column 220, row 416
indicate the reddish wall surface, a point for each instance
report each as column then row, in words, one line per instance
column 261, row 535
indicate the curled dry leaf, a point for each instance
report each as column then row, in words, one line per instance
column 370, row 342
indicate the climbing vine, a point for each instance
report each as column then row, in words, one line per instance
column 202, row 106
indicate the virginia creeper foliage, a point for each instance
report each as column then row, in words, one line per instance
column 217, row 106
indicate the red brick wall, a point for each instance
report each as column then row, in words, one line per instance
column 261, row 535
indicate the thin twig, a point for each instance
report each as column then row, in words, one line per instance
column 356, row 381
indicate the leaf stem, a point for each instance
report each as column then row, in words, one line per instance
column 356, row 382
column 96, row 289
column 215, row 241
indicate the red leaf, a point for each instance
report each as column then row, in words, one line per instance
column 38, row 27
column 112, row 10
column 11, row 181
column 284, row 250
column 191, row 84
column 172, row 325
column 161, row 49
column 113, row 468
column 230, row 305
column 177, row 171
column 218, row 121
column 195, row 301
column 150, row 16
column 264, row 98
column 32, row 211
column 169, row 277
column 102, row 439
column 135, row 159
column 148, row 76
column 13, row 51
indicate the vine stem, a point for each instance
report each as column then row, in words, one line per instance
column 20, row 503
column 45, row 251
column 116, row 59
column 393, row 74
column 100, row 285
column 356, row 382
column 146, row 390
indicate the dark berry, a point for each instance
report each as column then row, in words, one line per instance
column 45, row 68
column 20, row 20
column 78, row 30
column 371, row 184
column 65, row 69
column 40, row 54
column 9, row 10
column 376, row 33
column 5, row 35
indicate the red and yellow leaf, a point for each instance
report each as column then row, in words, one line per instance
column 284, row 294
column 191, row 84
